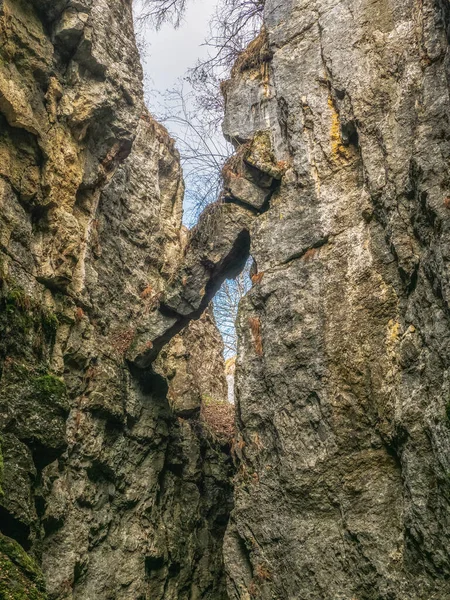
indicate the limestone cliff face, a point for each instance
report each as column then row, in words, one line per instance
column 342, row 370
column 112, row 483
column 114, row 468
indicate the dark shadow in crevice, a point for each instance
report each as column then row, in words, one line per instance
column 14, row 529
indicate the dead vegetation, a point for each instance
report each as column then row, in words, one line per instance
column 255, row 56
column 79, row 314
column 217, row 416
column 122, row 340
column 257, row 278
column 255, row 328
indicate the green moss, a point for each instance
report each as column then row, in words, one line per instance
column 50, row 325
column 49, row 386
column 24, row 323
column 20, row 577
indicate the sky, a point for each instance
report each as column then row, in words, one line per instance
column 171, row 52
column 167, row 56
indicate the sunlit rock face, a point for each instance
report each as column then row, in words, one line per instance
column 111, row 489
column 342, row 370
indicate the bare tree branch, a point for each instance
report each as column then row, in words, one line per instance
column 194, row 119
column 158, row 12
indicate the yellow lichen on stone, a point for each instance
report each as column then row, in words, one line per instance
column 339, row 151
column 393, row 335
column 260, row 154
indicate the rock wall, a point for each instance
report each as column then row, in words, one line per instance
column 113, row 483
column 115, row 468
column 342, row 371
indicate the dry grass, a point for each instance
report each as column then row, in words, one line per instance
column 254, row 56
column 218, row 417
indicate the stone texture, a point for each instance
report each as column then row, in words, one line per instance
column 114, row 488
column 114, row 475
column 192, row 379
column 342, row 370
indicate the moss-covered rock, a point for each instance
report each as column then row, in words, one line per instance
column 34, row 405
column 27, row 328
column 20, row 576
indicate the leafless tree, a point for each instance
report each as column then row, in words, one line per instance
column 202, row 148
column 193, row 114
column 158, row 12
column 226, row 304
column 233, row 26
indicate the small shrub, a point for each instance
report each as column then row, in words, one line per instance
column 263, row 573
column 147, row 292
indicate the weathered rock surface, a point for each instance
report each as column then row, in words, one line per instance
column 108, row 482
column 113, row 480
column 342, row 371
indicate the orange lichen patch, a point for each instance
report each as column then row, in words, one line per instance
column 257, row 277
column 147, row 292
column 255, row 328
column 447, row 202
column 79, row 314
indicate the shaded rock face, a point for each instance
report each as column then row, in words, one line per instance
column 342, row 370
column 110, row 367
column 138, row 505
column 109, row 482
